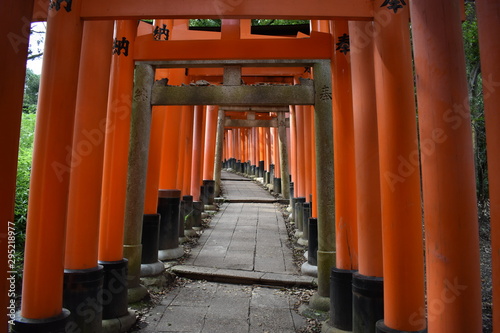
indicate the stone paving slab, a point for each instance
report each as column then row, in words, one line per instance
column 227, row 308
column 246, row 244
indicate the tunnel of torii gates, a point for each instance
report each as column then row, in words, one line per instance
column 334, row 111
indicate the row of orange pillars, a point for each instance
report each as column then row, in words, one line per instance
column 382, row 169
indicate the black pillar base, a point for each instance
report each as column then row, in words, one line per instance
column 277, row 185
column 367, row 302
column 209, row 191
column 261, row 169
column 169, row 210
column 198, row 208
column 312, row 246
column 341, row 299
column 382, row 328
column 83, row 298
column 150, row 238
column 49, row 325
column 114, row 290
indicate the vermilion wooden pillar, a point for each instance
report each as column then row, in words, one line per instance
column 52, row 163
column 210, row 135
column 448, row 175
column 367, row 157
column 402, row 241
column 88, row 147
column 154, row 161
column 293, row 145
column 197, row 163
column 170, row 153
column 488, row 12
column 82, row 233
column 116, row 148
column 300, row 185
column 187, row 146
column 14, row 29
column 345, row 165
column 307, row 162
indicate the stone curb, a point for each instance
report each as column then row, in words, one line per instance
column 243, row 277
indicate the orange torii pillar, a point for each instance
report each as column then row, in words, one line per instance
column 209, row 152
column 114, row 184
column 170, row 153
column 197, row 162
column 262, row 151
column 84, row 201
column 307, row 166
column 42, row 295
column 187, row 146
column 448, row 175
column 182, row 150
column 293, row 161
column 367, row 284
column 397, row 131
column 268, row 162
column 15, row 30
column 345, row 182
column 276, row 160
column 300, row 185
column 488, row 12
column 150, row 265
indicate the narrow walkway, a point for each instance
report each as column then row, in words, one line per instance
column 246, row 245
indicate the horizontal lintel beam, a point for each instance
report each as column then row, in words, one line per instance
column 254, row 123
column 234, row 108
column 233, row 95
column 318, row 46
column 233, row 9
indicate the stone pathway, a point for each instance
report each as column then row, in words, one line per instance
column 246, row 244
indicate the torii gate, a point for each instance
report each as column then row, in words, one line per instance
column 447, row 171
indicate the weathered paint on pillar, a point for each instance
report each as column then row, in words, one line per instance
column 488, row 13
column 140, row 132
column 448, row 175
column 345, row 165
column 210, row 138
column 314, row 209
column 402, row 242
column 84, row 201
column 323, row 122
column 14, row 29
column 116, row 148
column 52, row 163
column 366, row 149
column 283, row 147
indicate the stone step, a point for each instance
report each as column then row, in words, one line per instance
column 233, row 276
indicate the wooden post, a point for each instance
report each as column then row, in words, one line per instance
column 140, row 132
column 197, row 163
column 283, row 147
column 397, row 131
column 345, row 164
column 488, row 12
column 448, row 175
column 51, row 168
column 325, row 179
column 14, row 29
column 210, row 138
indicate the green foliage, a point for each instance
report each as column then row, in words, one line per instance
column 31, row 87
column 473, row 67
column 217, row 23
column 22, row 185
